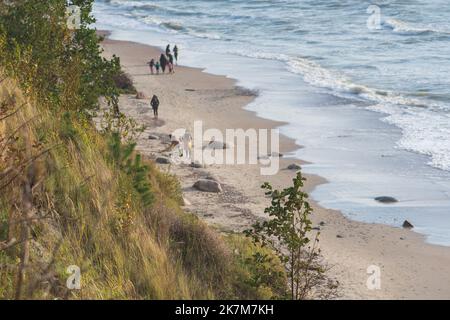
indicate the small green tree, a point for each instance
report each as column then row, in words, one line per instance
column 122, row 156
column 288, row 232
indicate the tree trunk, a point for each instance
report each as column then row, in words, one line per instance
column 26, row 216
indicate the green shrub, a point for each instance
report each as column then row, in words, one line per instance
column 124, row 83
column 288, row 232
column 258, row 273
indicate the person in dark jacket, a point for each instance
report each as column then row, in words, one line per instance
column 170, row 64
column 168, row 49
column 175, row 53
column 163, row 62
column 155, row 105
column 152, row 65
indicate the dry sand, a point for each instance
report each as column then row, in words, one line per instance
column 410, row 268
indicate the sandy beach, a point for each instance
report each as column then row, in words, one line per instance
column 410, row 268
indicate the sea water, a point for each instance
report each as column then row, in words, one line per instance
column 369, row 103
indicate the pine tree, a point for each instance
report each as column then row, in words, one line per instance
column 122, row 156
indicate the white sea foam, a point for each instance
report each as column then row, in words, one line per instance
column 423, row 131
column 406, row 27
column 425, row 125
column 320, row 76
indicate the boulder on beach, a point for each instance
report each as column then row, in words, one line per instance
column 206, row 185
column 212, row 177
column 162, row 160
column 407, row 225
column 294, row 167
column 386, row 199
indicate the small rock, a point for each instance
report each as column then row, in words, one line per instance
column 196, row 165
column 294, row 167
column 276, row 155
column 208, row 186
column 385, row 199
column 401, row 238
column 407, row 225
column 140, row 96
column 164, row 138
column 316, row 228
column 216, row 145
column 270, row 155
column 162, row 160
column 322, row 223
column 339, row 236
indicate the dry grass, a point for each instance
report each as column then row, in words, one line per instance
column 84, row 199
column 87, row 213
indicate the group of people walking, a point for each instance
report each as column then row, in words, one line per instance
column 166, row 61
column 182, row 141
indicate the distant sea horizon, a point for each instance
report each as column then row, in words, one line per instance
column 369, row 103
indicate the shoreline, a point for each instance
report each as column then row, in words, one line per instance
column 411, row 268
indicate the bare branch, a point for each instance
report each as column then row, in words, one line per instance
column 7, row 139
column 13, row 113
column 13, row 242
column 27, row 163
column 6, row 172
column 6, row 245
column 29, row 220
